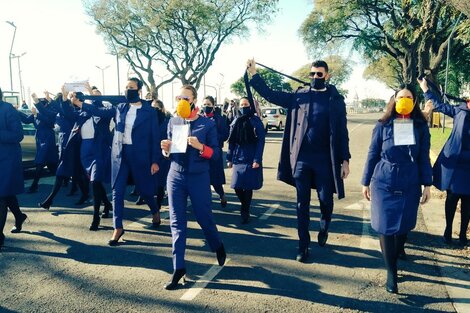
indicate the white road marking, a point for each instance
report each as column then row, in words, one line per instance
column 368, row 241
column 202, row 282
column 269, row 212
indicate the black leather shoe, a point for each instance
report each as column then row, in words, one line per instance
column 82, row 200
column 391, row 285
column 447, row 237
column 245, row 217
column 463, row 240
column 177, row 275
column 19, row 224
column 115, row 242
column 140, row 201
column 45, row 205
column 94, row 225
column 2, row 240
column 322, row 237
column 302, row 256
column 223, row 202
column 221, row 255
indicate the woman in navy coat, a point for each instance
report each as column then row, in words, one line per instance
column 135, row 150
column 189, row 176
column 217, row 173
column 397, row 166
column 164, row 165
column 451, row 171
column 245, row 155
column 46, row 151
column 69, row 122
column 95, row 155
column 11, row 180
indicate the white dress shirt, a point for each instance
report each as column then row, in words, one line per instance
column 130, row 119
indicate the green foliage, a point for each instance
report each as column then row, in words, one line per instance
column 273, row 80
column 386, row 69
column 412, row 33
column 373, row 103
column 339, row 69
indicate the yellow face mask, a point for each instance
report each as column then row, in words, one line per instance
column 183, row 108
column 404, row 106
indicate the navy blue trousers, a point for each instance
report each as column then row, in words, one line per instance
column 320, row 173
column 127, row 166
column 197, row 187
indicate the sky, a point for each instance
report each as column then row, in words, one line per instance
column 61, row 45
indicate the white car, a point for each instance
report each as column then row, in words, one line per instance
column 275, row 116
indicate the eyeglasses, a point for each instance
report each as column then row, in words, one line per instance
column 319, row 74
column 182, row 98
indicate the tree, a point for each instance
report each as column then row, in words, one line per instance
column 414, row 33
column 339, row 68
column 273, row 80
column 387, row 70
column 183, row 36
column 373, row 103
column 461, row 5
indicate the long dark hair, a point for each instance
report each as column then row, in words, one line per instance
column 391, row 113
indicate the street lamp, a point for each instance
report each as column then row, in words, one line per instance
column 102, row 75
column 10, row 55
column 13, row 56
column 215, row 89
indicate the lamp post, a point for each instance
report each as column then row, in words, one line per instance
column 10, row 55
column 102, row 75
column 215, row 89
column 13, row 56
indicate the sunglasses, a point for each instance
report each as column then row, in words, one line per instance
column 319, row 74
column 182, row 98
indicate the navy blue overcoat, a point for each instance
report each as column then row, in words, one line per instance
column 11, row 134
column 145, row 140
column 298, row 105
column 452, row 168
column 46, row 149
column 217, row 173
column 395, row 175
column 244, row 176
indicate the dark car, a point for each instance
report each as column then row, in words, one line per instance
column 28, row 144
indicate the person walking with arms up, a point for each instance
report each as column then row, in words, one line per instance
column 315, row 147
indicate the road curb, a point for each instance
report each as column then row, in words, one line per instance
column 456, row 280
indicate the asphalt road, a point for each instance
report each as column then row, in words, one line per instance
column 57, row 265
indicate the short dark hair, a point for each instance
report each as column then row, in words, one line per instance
column 80, row 96
column 137, row 81
column 320, row 63
column 211, row 99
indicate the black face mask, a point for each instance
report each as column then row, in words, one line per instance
column 132, row 95
column 208, row 109
column 318, row 83
column 245, row 110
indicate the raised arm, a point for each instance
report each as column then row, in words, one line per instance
column 283, row 99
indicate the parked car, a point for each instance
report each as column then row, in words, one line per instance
column 28, row 144
column 276, row 117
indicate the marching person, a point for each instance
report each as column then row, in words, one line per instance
column 95, row 153
column 162, row 175
column 43, row 119
column 135, row 150
column 189, row 176
column 315, row 147
column 397, row 166
column 451, row 171
column 244, row 156
column 11, row 180
column 69, row 121
column 217, row 173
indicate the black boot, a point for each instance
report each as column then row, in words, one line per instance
column 302, row 256
column 3, row 219
column 107, row 209
column 19, row 223
column 96, row 222
column 400, row 246
column 2, row 240
column 221, row 255
column 388, row 246
column 177, row 275
column 464, row 219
